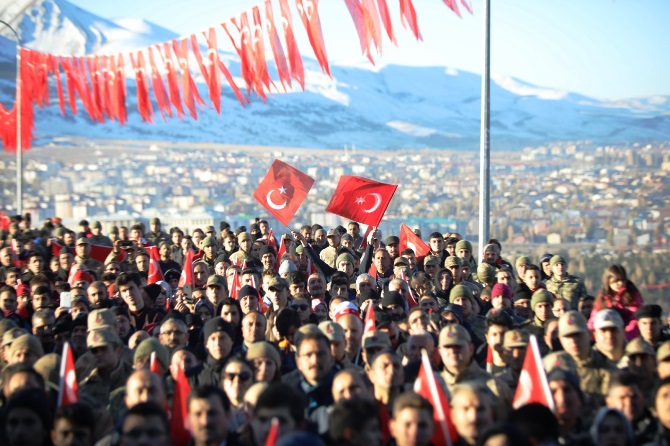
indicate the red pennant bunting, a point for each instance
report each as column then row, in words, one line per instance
column 277, row 49
column 294, row 59
column 259, row 48
column 309, row 13
column 144, row 106
column 54, row 68
column 408, row 17
column 94, row 70
column 213, row 75
column 161, row 95
column 385, row 16
column 70, row 83
column 356, row 12
column 467, row 5
column 188, row 88
column 173, row 83
column 85, row 88
column 120, row 91
column 372, row 24
column 106, row 87
column 451, row 4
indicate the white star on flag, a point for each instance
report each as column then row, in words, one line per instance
column 282, row 190
column 360, row 200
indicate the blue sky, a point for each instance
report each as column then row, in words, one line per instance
column 608, row 49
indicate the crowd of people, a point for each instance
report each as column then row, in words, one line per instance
column 275, row 332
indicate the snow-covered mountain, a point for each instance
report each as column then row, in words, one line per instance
column 391, row 107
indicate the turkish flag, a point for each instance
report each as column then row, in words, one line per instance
column 370, row 323
column 236, row 286
column 533, row 386
column 426, row 385
column 155, row 273
column 283, row 190
column 408, row 239
column 68, row 387
column 153, row 364
column 489, row 358
column 179, row 414
column 98, row 252
column 411, row 301
column 5, row 221
column 186, row 277
column 361, row 200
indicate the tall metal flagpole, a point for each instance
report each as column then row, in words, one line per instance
column 484, row 143
column 17, row 104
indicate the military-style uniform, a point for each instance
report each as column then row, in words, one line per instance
column 99, row 387
column 101, row 240
column 90, row 264
column 329, row 255
column 569, row 287
column 158, row 237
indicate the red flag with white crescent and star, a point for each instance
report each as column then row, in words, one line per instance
column 186, row 277
column 69, row 388
column 361, row 200
column 408, row 239
column 445, row 433
column 533, row 386
column 370, row 323
column 283, row 190
column 155, row 272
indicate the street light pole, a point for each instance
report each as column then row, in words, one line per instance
column 484, row 137
column 17, row 104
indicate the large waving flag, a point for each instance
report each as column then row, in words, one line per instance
column 361, row 200
column 68, row 392
column 98, row 252
column 408, row 239
column 426, row 385
column 283, row 190
column 533, row 386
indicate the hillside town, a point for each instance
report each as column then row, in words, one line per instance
column 565, row 193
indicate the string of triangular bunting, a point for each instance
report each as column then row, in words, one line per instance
column 98, row 82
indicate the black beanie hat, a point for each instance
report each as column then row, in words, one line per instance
column 218, row 324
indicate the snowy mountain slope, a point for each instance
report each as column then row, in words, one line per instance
column 390, row 107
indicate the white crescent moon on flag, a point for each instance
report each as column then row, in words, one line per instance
column 272, row 204
column 378, row 202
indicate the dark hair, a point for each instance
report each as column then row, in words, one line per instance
column 535, row 421
column 494, row 241
column 285, row 319
column 279, row 395
column 624, row 379
column 34, row 400
column 126, row 278
column 78, row 414
column 411, row 400
column 513, row 435
column 499, row 318
column 354, row 413
column 8, row 289
column 206, row 392
column 339, row 281
column 147, row 410
column 407, row 252
column 618, row 272
column 14, row 369
column 295, row 277
column 532, row 267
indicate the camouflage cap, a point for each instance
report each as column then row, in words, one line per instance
column 333, row 331
column 12, row 334
column 101, row 319
column 216, row 280
column 150, row 345
column 452, row 261
column 639, row 346
column 572, row 322
column 49, row 367
column 82, row 241
column 277, row 283
column 27, row 342
column 523, row 260
column 454, row 334
column 431, row 260
column 486, row 272
column 101, row 338
column 96, row 225
column 515, row 338
column 559, row 360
